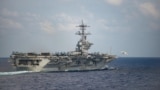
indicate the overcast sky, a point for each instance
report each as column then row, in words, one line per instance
column 49, row 26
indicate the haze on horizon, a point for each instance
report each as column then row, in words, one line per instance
column 50, row 26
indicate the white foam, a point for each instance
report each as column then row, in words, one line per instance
column 14, row 72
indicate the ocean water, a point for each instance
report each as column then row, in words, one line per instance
column 130, row 74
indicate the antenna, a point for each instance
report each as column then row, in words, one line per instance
column 110, row 50
column 82, row 26
column 82, row 22
column 83, row 45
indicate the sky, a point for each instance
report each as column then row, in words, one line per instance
column 50, row 26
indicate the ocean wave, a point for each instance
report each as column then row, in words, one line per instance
column 14, row 72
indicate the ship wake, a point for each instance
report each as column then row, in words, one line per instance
column 14, row 72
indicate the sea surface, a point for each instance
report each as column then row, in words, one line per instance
column 129, row 74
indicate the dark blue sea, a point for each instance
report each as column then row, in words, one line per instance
column 129, row 74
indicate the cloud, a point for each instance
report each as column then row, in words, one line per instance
column 8, row 19
column 67, row 27
column 63, row 17
column 6, row 12
column 6, row 23
column 114, row 2
column 154, row 26
column 102, row 23
column 148, row 8
column 87, row 13
column 66, row 22
column 47, row 26
column 66, row 0
column 32, row 16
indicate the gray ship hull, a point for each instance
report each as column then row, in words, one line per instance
column 72, row 63
column 98, row 66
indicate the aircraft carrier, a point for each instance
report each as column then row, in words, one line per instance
column 78, row 60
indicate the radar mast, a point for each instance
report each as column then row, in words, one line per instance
column 83, row 45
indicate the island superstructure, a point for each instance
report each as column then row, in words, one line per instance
column 78, row 60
